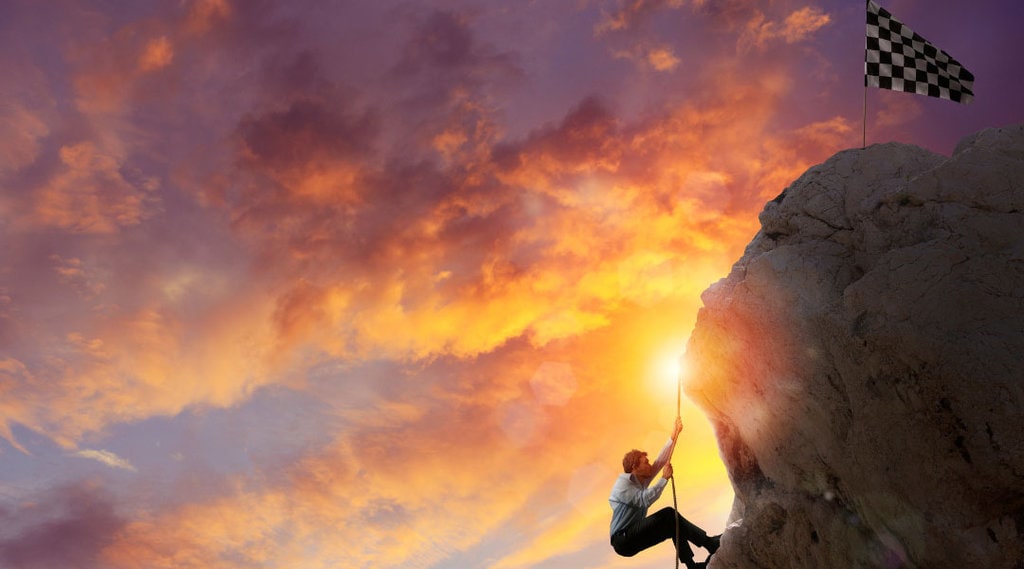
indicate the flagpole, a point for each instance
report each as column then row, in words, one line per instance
column 864, row 123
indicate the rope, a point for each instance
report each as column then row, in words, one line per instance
column 675, row 504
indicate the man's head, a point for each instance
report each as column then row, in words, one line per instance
column 635, row 462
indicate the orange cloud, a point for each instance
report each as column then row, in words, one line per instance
column 540, row 238
column 803, row 22
column 630, row 13
column 91, row 195
column 647, row 56
column 369, row 498
column 204, row 14
column 157, row 54
column 21, row 130
column 662, row 58
column 366, row 500
column 371, row 495
column 796, row 27
column 528, row 263
column 106, row 73
column 515, row 261
column 154, row 361
column 311, row 151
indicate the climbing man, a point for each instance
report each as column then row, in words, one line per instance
column 632, row 529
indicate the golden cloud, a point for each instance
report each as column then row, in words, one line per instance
column 371, row 496
column 803, row 22
column 150, row 362
column 361, row 502
column 540, row 238
column 357, row 253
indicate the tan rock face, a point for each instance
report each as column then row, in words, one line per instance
column 863, row 364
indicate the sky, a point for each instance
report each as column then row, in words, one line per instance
column 382, row 284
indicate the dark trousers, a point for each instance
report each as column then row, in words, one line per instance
column 655, row 529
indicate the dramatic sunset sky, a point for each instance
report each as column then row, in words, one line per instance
column 372, row 284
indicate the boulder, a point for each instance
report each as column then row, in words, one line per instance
column 863, row 364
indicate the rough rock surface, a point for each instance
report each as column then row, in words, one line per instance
column 863, row 364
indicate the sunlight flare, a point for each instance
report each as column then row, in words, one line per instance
column 668, row 369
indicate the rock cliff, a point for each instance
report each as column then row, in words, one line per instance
column 863, row 364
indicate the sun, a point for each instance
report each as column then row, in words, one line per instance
column 668, row 369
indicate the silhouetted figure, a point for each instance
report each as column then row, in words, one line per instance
column 632, row 530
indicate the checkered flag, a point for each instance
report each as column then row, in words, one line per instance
column 896, row 58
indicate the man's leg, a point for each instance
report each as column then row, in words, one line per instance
column 655, row 529
column 690, row 532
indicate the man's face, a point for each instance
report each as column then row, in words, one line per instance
column 643, row 468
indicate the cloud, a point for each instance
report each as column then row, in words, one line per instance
column 629, row 14
column 553, row 383
column 201, row 343
column 728, row 15
column 314, row 219
column 68, row 527
column 662, row 58
column 444, row 42
column 407, row 467
column 157, row 54
column 74, row 273
column 485, row 257
column 90, row 194
column 645, row 55
column 311, row 151
column 204, row 14
column 106, row 457
column 451, row 84
column 13, row 378
column 21, row 131
column 803, row 22
column 402, row 436
column 368, row 497
column 797, row 26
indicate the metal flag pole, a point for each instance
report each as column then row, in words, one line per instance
column 864, row 131
column 864, row 123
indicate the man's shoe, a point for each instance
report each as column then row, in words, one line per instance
column 713, row 543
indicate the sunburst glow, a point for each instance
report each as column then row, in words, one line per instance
column 668, row 369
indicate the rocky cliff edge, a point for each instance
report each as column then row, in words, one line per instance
column 863, row 364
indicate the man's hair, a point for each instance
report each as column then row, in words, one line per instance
column 631, row 460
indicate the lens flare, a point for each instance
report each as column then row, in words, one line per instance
column 668, row 369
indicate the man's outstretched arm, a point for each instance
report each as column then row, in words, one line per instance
column 666, row 452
